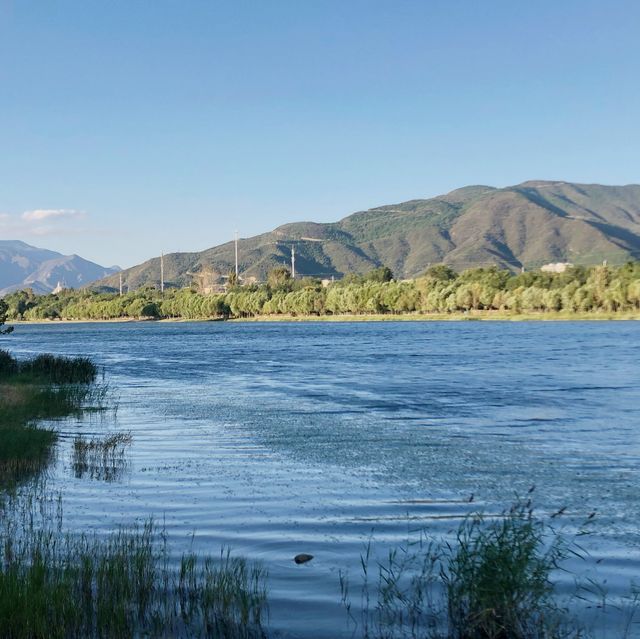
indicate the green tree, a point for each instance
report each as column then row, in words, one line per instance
column 3, row 318
column 380, row 274
column 150, row 310
column 279, row 277
column 440, row 273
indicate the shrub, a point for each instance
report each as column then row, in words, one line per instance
column 8, row 364
column 492, row 581
column 497, row 578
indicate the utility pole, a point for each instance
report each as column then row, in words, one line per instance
column 293, row 262
column 120, row 284
column 162, row 272
column 236, row 240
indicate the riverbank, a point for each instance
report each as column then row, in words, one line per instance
column 447, row 317
column 502, row 316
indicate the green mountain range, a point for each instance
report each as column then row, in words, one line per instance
column 527, row 225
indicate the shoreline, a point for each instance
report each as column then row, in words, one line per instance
column 473, row 316
column 406, row 317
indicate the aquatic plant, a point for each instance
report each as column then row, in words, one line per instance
column 8, row 363
column 44, row 388
column 492, row 581
column 101, row 458
column 402, row 596
column 497, row 577
column 57, row 585
column 60, row 585
column 56, row 369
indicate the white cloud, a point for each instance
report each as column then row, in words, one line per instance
column 38, row 215
column 42, row 222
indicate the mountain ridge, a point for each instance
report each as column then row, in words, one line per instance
column 524, row 225
column 25, row 266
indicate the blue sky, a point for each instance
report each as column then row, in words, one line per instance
column 131, row 128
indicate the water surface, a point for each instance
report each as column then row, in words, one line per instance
column 282, row 438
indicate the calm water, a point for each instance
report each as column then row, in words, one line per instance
column 283, row 438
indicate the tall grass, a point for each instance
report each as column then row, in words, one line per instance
column 60, row 370
column 101, row 458
column 8, row 363
column 494, row 580
column 61, row 585
column 400, row 596
column 43, row 388
column 47, row 368
column 497, row 577
column 54, row 585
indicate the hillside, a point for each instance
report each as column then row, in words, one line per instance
column 526, row 225
column 25, row 266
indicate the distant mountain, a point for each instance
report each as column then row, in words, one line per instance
column 25, row 266
column 526, row 225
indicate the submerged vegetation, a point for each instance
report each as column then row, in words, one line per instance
column 593, row 290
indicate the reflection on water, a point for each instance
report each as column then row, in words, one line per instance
column 280, row 439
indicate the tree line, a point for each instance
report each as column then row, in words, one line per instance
column 439, row 290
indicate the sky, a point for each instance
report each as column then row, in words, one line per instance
column 133, row 128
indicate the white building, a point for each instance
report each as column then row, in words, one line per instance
column 557, row 267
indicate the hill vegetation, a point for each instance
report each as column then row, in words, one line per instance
column 526, row 225
column 439, row 290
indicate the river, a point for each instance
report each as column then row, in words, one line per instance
column 281, row 438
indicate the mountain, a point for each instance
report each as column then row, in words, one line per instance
column 526, row 225
column 25, row 266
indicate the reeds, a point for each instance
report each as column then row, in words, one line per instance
column 58, row 586
column 497, row 577
column 492, row 581
column 8, row 363
column 101, row 458
column 52, row 369
column 44, row 388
